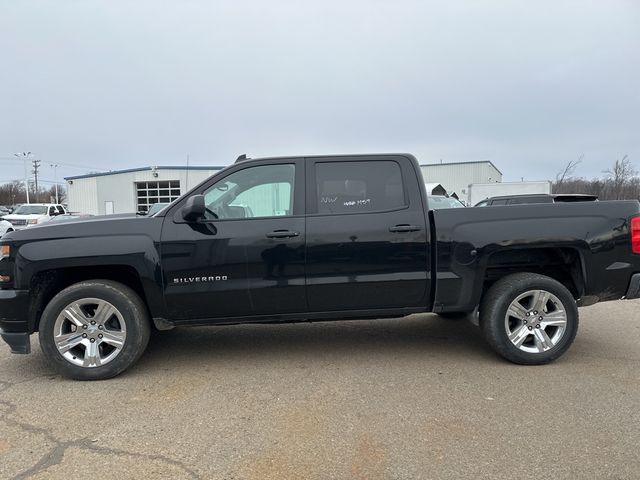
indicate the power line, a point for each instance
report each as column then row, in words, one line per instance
column 68, row 165
column 40, row 180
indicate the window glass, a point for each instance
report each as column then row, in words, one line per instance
column 345, row 187
column 521, row 200
column 60, row 210
column 52, row 210
column 497, row 203
column 437, row 202
column 263, row 191
column 30, row 210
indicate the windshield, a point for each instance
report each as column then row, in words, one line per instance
column 64, row 218
column 437, row 202
column 155, row 208
column 31, row 210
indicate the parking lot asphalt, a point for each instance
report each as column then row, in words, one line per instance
column 419, row 397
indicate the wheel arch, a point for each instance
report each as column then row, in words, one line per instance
column 564, row 264
column 45, row 284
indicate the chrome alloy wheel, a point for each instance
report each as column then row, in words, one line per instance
column 535, row 321
column 89, row 332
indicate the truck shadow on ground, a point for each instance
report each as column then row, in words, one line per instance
column 423, row 337
column 418, row 334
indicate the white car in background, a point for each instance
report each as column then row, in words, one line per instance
column 34, row 214
column 5, row 227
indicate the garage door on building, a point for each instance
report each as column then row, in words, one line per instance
column 148, row 193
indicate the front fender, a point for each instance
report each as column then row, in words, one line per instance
column 136, row 251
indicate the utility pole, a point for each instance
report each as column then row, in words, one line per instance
column 25, row 156
column 36, row 166
column 55, row 179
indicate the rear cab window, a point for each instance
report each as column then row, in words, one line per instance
column 359, row 187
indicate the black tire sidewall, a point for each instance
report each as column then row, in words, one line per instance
column 135, row 318
column 497, row 301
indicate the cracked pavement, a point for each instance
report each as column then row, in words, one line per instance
column 419, row 397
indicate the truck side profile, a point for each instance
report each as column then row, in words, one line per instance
column 313, row 238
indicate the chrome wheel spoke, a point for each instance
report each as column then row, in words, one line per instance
column 516, row 310
column 67, row 341
column 557, row 318
column 542, row 340
column 540, row 300
column 92, row 355
column 104, row 312
column 519, row 335
column 113, row 338
column 75, row 315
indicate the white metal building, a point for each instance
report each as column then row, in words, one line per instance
column 129, row 191
column 456, row 177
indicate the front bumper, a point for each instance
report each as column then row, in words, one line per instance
column 14, row 326
column 634, row 287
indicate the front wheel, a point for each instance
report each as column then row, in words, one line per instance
column 528, row 318
column 94, row 330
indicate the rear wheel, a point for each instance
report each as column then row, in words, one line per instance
column 94, row 330
column 528, row 318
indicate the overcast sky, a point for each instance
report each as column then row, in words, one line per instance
column 122, row 84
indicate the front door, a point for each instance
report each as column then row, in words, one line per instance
column 246, row 257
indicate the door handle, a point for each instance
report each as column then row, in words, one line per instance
column 404, row 228
column 282, row 234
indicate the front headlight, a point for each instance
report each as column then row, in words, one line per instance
column 32, row 221
column 5, row 250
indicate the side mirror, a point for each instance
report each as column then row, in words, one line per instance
column 194, row 208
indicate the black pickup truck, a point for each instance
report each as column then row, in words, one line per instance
column 313, row 238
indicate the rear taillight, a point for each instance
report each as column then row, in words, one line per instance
column 635, row 234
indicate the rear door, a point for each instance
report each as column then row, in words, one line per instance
column 367, row 236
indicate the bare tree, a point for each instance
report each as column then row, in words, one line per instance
column 568, row 171
column 12, row 193
column 620, row 175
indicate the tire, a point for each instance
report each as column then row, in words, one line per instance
column 515, row 332
column 94, row 330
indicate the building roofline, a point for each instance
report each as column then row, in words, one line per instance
column 144, row 169
column 461, row 163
